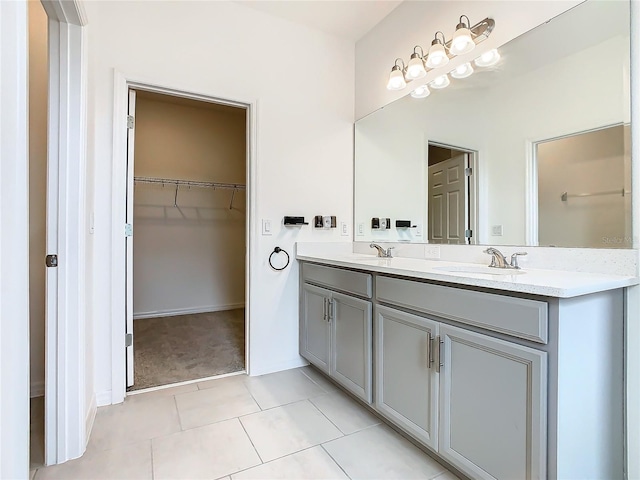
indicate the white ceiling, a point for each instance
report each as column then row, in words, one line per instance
column 347, row 18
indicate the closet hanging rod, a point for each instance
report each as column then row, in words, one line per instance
column 189, row 183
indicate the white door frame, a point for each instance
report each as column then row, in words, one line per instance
column 66, row 419
column 14, row 242
column 122, row 83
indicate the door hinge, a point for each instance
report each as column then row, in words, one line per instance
column 128, row 230
column 437, row 352
column 128, row 339
column 468, row 172
column 468, row 233
column 130, row 121
column 51, row 260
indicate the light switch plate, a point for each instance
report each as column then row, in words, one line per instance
column 496, row 230
column 266, row 227
column 361, row 229
column 344, row 229
column 419, row 230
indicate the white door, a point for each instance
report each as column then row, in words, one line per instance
column 448, row 212
column 493, row 397
column 129, row 234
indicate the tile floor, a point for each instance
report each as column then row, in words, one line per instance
column 287, row 425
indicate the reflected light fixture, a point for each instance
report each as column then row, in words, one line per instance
column 415, row 67
column 462, row 42
column 421, row 92
column 462, row 71
column 440, row 82
column 437, row 56
column 440, row 52
column 396, row 77
column 488, row 59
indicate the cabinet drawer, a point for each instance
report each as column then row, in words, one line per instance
column 518, row 317
column 337, row 279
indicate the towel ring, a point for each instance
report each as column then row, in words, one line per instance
column 278, row 250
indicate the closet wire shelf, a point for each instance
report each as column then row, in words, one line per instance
column 191, row 183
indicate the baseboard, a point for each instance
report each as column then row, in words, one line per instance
column 91, row 416
column 188, row 311
column 278, row 367
column 37, row 389
column 103, row 398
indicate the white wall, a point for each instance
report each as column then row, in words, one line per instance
column 14, row 242
column 189, row 258
column 38, row 93
column 415, row 23
column 304, row 137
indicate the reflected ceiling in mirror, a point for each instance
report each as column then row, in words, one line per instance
column 461, row 165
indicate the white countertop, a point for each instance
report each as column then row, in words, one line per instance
column 549, row 283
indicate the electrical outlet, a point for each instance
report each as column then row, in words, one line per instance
column 432, row 251
column 496, row 230
column 344, row 229
column 419, row 230
column 266, row 227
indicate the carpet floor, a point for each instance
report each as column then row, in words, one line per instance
column 187, row 347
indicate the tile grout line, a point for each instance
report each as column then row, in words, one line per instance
column 175, row 403
column 250, row 440
column 328, row 419
column 278, row 458
column 334, row 460
column 153, row 473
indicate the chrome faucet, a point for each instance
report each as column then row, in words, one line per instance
column 382, row 253
column 498, row 260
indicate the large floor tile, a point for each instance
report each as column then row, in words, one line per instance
column 288, row 429
column 163, row 392
column 316, row 376
column 281, row 388
column 313, row 463
column 134, row 421
column 345, row 413
column 447, row 476
column 379, row 452
column 207, row 452
column 216, row 381
column 229, row 398
column 128, row 462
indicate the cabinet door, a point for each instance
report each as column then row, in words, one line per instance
column 352, row 344
column 406, row 379
column 493, row 397
column 315, row 331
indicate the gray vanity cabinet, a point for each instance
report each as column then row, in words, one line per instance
column 493, row 406
column 406, row 379
column 315, row 331
column 336, row 328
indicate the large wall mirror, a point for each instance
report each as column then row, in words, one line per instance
column 532, row 151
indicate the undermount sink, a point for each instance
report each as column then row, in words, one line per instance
column 480, row 269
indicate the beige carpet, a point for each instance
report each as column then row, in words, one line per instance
column 187, row 347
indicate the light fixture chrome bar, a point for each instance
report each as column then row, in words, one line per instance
column 480, row 32
column 188, row 183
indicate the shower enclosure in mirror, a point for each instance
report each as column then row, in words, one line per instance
column 532, row 151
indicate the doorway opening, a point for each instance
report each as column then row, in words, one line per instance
column 451, row 198
column 186, row 239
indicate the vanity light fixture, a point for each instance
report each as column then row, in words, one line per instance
column 437, row 56
column 396, row 77
column 440, row 82
column 462, row 71
column 465, row 38
column 488, row 59
column 421, row 92
column 462, row 41
column 415, row 68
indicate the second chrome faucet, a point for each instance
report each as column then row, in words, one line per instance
column 382, row 253
column 498, row 260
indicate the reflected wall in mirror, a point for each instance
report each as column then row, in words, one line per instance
column 564, row 82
